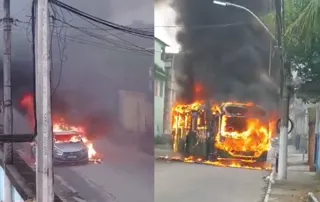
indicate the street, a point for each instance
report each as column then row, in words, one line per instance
column 125, row 175
column 194, row 182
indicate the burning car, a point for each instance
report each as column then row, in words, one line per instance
column 69, row 148
column 229, row 130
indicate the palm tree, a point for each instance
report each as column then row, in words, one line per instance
column 303, row 20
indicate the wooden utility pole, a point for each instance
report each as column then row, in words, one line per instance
column 7, row 102
column 44, row 167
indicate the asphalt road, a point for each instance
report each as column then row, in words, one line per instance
column 194, row 182
column 125, row 175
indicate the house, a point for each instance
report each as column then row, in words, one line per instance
column 160, row 78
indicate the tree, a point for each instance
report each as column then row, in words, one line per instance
column 302, row 43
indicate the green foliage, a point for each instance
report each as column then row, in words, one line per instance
column 302, row 43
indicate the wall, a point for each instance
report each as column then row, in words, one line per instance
column 16, row 196
column 134, row 111
column 157, row 54
column 159, row 88
column 158, row 115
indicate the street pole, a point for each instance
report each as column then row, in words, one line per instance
column 285, row 72
column 228, row 4
column 7, row 102
column 285, row 95
column 44, row 168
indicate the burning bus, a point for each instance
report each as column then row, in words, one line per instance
column 228, row 130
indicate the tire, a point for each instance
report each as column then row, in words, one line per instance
column 263, row 157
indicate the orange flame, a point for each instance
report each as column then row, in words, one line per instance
column 254, row 139
column 59, row 125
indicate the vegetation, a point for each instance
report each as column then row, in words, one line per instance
column 302, row 43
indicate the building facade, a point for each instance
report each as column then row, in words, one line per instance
column 160, row 79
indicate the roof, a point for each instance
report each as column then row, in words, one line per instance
column 161, row 42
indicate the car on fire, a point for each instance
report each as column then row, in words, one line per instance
column 68, row 148
column 228, row 130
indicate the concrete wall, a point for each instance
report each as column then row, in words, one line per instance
column 135, row 111
column 16, row 197
column 158, row 115
column 157, row 54
column 159, row 89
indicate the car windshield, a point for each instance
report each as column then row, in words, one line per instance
column 67, row 138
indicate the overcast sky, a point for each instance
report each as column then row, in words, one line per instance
column 165, row 27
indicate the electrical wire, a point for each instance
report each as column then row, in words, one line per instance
column 120, row 44
column 61, row 46
column 96, row 44
column 121, row 39
column 130, row 30
column 33, row 11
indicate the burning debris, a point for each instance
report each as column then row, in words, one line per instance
column 59, row 124
column 252, row 165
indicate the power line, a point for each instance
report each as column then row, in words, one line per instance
column 216, row 26
column 123, row 41
column 130, row 30
column 91, row 43
column 120, row 44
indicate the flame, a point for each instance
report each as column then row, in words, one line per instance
column 59, row 124
column 27, row 103
column 254, row 139
column 252, row 165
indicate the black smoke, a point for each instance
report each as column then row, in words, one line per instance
column 90, row 82
column 225, row 50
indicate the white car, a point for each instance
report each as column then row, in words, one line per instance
column 68, row 148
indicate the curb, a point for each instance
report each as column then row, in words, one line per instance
column 312, row 198
column 271, row 181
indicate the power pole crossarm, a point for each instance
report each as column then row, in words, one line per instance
column 7, row 102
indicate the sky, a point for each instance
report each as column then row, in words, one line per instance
column 165, row 27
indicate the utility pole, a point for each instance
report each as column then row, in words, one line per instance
column 285, row 94
column 7, row 102
column 44, row 168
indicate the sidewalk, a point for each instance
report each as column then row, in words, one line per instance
column 299, row 181
column 164, row 151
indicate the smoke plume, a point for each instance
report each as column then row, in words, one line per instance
column 224, row 50
column 90, row 82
